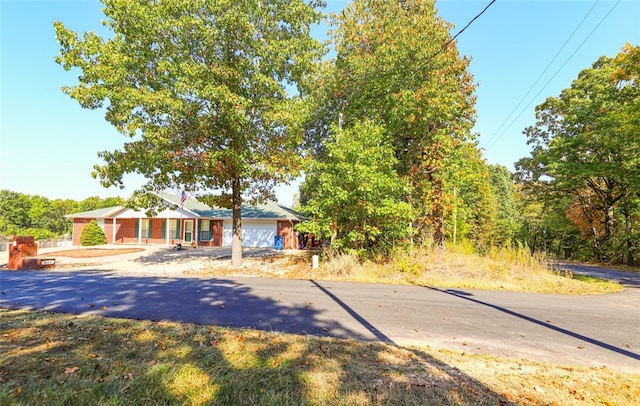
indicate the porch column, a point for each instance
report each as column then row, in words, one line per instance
column 195, row 238
column 166, row 229
column 140, row 231
column 113, row 238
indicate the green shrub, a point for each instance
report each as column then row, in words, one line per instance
column 92, row 234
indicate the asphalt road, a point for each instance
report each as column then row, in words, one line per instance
column 588, row 330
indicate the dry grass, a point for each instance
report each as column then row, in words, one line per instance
column 504, row 269
column 58, row 359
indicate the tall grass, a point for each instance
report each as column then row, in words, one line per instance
column 459, row 266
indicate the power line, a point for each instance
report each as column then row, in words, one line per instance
column 442, row 48
column 542, row 74
column 554, row 75
column 446, row 44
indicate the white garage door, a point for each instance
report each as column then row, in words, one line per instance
column 258, row 234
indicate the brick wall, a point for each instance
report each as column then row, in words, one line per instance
column 126, row 231
column 285, row 230
column 78, row 225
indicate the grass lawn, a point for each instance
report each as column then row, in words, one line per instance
column 60, row 359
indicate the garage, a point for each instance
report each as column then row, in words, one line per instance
column 256, row 234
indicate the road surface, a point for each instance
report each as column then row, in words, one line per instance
column 602, row 330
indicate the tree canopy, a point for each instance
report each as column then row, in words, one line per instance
column 207, row 93
column 585, row 145
column 41, row 217
column 392, row 69
column 356, row 196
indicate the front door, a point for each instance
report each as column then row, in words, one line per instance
column 188, row 231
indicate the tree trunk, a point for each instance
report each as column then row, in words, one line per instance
column 236, row 239
column 628, row 235
column 438, row 212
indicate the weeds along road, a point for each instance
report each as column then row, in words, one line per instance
column 598, row 331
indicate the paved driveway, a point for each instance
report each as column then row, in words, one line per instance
column 630, row 280
column 588, row 330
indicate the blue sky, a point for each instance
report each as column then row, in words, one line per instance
column 48, row 143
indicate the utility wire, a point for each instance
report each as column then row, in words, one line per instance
column 488, row 147
column 438, row 52
column 446, row 44
column 506, row 120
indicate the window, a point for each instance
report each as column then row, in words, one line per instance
column 174, row 229
column 205, row 230
column 146, row 228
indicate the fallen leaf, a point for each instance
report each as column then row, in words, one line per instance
column 103, row 308
column 71, row 370
column 581, row 347
column 18, row 391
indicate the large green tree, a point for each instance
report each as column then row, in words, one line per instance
column 14, row 212
column 354, row 194
column 586, row 143
column 392, row 68
column 469, row 204
column 508, row 219
column 205, row 91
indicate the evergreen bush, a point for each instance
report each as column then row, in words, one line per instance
column 92, row 234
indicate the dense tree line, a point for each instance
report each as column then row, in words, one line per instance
column 584, row 170
column 575, row 197
column 22, row 214
column 394, row 161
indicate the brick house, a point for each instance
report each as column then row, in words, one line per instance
column 194, row 222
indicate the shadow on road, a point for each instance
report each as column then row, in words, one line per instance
column 220, row 302
column 467, row 296
column 377, row 333
column 226, row 303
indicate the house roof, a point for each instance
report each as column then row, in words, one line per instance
column 269, row 210
column 194, row 208
column 97, row 213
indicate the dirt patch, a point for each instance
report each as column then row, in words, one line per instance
column 96, row 252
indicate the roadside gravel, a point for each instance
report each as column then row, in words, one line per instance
column 162, row 260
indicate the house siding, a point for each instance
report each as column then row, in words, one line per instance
column 126, row 230
column 216, row 236
column 78, row 225
column 285, row 230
